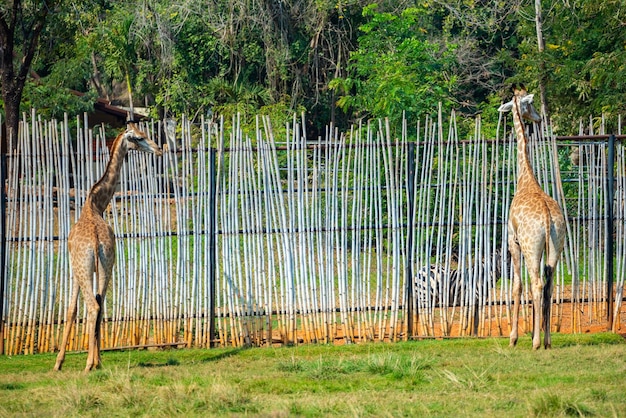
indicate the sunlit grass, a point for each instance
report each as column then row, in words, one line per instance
column 581, row 376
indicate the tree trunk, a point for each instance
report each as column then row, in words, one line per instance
column 12, row 88
column 542, row 64
column 15, row 64
column 96, row 79
column 12, row 119
column 130, row 96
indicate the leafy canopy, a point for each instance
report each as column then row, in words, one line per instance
column 396, row 68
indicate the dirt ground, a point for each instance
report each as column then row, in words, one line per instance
column 567, row 318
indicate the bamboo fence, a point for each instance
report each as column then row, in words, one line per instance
column 233, row 239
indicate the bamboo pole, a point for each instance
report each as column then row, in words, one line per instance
column 357, row 212
column 263, row 182
column 27, row 230
column 13, row 226
column 204, row 304
column 316, row 238
column 341, row 250
column 261, row 287
column 370, row 178
column 318, row 221
column 48, row 245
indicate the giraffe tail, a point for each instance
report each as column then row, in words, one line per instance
column 548, row 272
column 547, row 225
column 96, row 259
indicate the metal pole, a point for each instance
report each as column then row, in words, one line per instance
column 212, row 247
column 410, row 185
column 3, row 212
column 610, row 184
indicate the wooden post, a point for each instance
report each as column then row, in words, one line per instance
column 3, row 207
column 610, row 179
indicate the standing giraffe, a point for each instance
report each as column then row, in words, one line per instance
column 91, row 244
column 536, row 224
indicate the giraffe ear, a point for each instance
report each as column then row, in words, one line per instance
column 528, row 98
column 506, row 107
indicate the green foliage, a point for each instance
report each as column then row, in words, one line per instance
column 52, row 101
column 369, row 60
column 246, row 111
column 395, row 69
column 62, row 66
column 584, row 61
column 119, row 49
column 198, row 65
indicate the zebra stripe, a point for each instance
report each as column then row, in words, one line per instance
column 432, row 281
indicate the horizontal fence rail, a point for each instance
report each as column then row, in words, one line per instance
column 233, row 239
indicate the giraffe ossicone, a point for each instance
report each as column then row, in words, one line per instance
column 91, row 244
column 536, row 227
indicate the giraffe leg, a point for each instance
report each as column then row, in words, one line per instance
column 537, row 294
column 104, row 275
column 97, row 333
column 93, row 310
column 70, row 318
column 547, row 306
column 516, row 258
column 556, row 243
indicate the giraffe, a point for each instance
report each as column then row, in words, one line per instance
column 91, row 244
column 536, row 224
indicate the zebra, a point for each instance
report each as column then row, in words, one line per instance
column 429, row 282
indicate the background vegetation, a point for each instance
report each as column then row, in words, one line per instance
column 581, row 376
column 338, row 60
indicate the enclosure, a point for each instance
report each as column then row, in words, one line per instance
column 270, row 237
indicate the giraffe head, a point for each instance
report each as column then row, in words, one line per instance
column 523, row 102
column 139, row 141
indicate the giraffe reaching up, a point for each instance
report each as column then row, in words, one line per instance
column 91, row 244
column 536, row 224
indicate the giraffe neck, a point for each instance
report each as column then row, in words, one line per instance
column 101, row 193
column 525, row 177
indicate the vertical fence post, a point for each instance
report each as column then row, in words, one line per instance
column 410, row 185
column 3, row 235
column 610, row 183
column 212, row 247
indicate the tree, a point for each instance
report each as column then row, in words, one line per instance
column 485, row 34
column 584, row 61
column 121, row 48
column 541, row 46
column 395, row 69
column 21, row 24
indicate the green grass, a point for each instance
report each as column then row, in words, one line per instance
column 583, row 375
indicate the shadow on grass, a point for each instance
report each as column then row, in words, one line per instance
column 12, row 386
column 150, row 364
column 216, row 356
column 211, row 357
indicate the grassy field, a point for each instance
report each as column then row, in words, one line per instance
column 583, row 375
